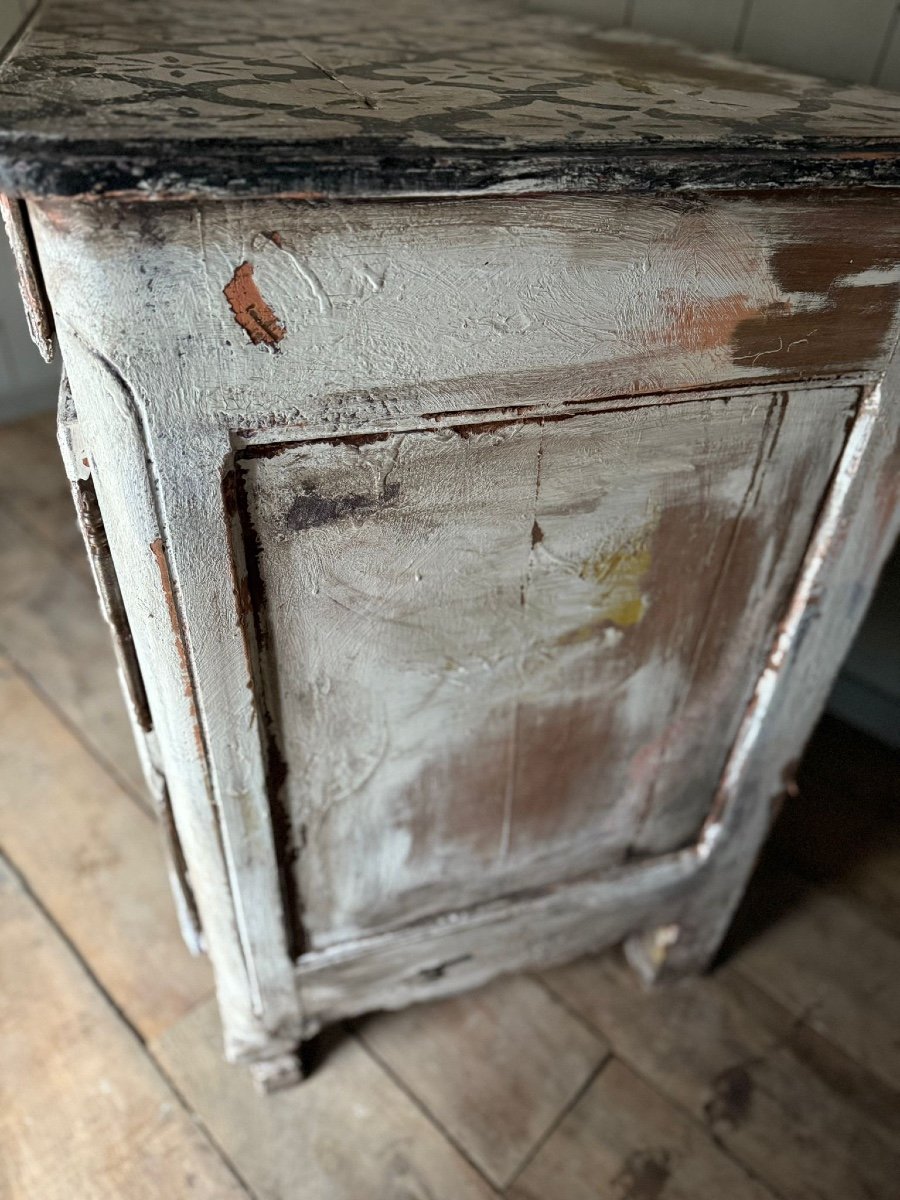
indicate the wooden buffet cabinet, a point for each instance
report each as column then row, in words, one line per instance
column 484, row 433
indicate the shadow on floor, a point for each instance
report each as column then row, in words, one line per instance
column 846, row 812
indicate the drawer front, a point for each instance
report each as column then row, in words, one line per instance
column 498, row 656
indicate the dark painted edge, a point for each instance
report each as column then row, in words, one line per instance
column 216, row 168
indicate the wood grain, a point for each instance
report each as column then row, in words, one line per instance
column 494, row 1068
column 94, row 859
column 84, row 1111
column 347, row 1132
column 38, row 314
column 50, row 625
column 746, row 1069
column 851, row 997
column 623, row 1139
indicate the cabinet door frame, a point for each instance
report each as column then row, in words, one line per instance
column 618, row 500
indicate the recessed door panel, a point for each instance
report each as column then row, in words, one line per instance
column 501, row 656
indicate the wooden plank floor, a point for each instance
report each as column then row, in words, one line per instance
column 777, row 1076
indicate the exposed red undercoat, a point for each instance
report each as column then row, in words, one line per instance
column 250, row 310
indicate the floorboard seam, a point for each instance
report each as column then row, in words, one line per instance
column 677, row 1104
column 560, row 1117
column 195, row 1118
column 102, row 762
column 399, row 1082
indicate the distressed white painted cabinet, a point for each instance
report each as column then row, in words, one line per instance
column 484, row 433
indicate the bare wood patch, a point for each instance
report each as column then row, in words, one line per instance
column 250, row 310
column 506, row 623
column 158, row 551
column 430, row 307
column 309, row 509
column 34, row 297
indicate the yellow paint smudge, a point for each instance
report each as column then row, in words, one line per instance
column 618, row 574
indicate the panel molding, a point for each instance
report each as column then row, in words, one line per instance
column 599, row 908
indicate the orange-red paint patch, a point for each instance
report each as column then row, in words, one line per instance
column 250, row 310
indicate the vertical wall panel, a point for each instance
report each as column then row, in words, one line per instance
column 606, row 13
column 840, row 39
column 888, row 75
column 27, row 383
column 709, row 24
column 10, row 20
column 12, row 14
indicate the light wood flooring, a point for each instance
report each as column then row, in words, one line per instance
column 777, row 1076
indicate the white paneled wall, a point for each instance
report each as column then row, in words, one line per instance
column 27, row 384
column 12, row 14
column 841, row 39
column 856, row 40
column 709, row 24
column 888, row 74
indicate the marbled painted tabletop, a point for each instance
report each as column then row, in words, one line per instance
column 295, row 97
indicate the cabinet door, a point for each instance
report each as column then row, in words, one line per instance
column 498, row 656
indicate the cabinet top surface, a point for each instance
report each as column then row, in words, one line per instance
column 229, row 98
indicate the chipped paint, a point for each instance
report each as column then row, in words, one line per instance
column 460, row 742
column 363, row 611
column 310, row 509
column 701, row 323
column 38, row 311
column 840, row 300
column 158, row 551
column 250, row 310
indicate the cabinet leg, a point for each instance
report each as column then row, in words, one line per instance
column 274, row 1074
column 690, row 942
column 672, row 952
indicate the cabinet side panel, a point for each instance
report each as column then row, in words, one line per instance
column 502, row 657
column 369, row 314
